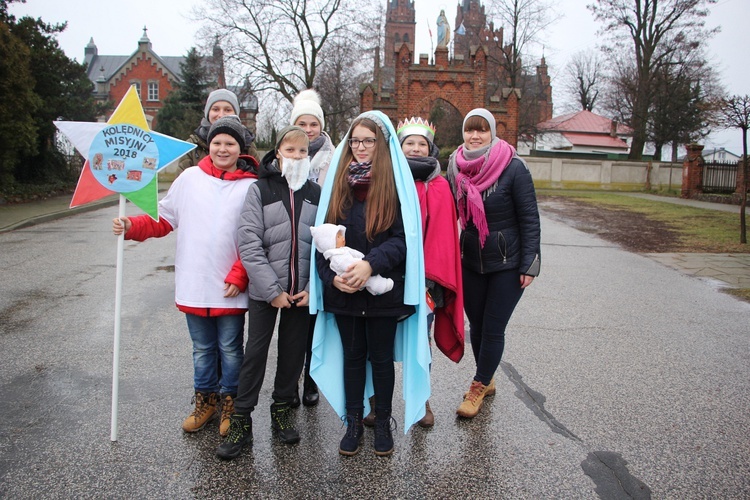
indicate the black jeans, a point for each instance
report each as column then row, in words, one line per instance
column 489, row 301
column 364, row 338
column 292, row 340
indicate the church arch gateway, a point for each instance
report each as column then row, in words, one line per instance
column 459, row 83
column 463, row 81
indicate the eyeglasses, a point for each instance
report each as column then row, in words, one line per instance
column 367, row 143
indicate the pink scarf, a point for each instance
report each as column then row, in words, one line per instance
column 475, row 176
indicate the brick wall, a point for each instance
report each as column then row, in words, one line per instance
column 692, row 171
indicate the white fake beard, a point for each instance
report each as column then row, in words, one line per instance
column 295, row 171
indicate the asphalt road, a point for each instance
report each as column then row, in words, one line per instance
column 621, row 379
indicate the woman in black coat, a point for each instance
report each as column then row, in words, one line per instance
column 500, row 242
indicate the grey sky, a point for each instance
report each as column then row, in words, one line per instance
column 172, row 33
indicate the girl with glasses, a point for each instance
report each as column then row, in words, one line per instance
column 369, row 190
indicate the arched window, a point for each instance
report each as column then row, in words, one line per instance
column 396, row 38
column 406, row 37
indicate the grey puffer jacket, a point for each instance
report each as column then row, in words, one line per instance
column 275, row 242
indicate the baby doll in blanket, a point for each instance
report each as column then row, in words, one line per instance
column 330, row 240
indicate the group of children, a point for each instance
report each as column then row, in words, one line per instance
column 330, row 243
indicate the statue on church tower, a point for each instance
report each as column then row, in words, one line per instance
column 443, row 30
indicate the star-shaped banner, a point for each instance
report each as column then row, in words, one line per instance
column 122, row 156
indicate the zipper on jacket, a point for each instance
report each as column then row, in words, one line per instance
column 503, row 251
column 479, row 251
column 292, row 260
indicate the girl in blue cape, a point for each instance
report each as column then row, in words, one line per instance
column 369, row 189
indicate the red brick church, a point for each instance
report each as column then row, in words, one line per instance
column 155, row 77
column 455, row 81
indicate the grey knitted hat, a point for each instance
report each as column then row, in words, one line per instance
column 483, row 113
column 231, row 125
column 221, row 95
column 282, row 133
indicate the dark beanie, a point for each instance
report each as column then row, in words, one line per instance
column 229, row 124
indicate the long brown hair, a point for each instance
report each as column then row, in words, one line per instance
column 382, row 198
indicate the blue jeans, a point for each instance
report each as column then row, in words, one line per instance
column 214, row 337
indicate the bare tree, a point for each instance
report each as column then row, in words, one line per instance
column 735, row 113
column 683, row 108
column 653, row 31
column 584, row 79
column 617, row 100
column 523, row 22
column 338, row 81
column 276, row 43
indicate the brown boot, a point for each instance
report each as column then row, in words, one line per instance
column 429, row 419
column 227, row 410
column 205, row 410
column 369, row 420
column 473, row 400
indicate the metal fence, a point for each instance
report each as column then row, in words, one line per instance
column 720, row 177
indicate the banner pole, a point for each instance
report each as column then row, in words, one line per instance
column 118, row 309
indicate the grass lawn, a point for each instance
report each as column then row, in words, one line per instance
column 699, row 230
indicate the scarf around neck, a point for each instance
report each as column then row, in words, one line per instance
column 360, row 173
column 474, row 172
column 315, row 145
column 424, row 168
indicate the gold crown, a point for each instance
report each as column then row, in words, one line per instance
column 415, row 126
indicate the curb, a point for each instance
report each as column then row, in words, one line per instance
column 38, row 219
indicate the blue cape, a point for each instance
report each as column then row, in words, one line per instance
column 412, row 344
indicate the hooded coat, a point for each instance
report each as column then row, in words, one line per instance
column 274, row 233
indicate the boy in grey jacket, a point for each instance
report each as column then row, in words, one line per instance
column 275, row 248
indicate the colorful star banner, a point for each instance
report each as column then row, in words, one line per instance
column 122, row 156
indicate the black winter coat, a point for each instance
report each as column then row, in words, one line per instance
column 512, row 215
column 387, row 257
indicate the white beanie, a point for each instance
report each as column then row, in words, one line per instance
column 307, row 102
column 221, row 95
column 324, row 236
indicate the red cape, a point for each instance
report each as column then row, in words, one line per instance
column 442, row 261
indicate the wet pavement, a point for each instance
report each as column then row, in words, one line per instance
column 622, row 378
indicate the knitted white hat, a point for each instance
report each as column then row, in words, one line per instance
column 307, row 102
column 221, row 95
column 324, row 236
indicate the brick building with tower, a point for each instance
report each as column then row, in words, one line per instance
column 155, row 77
column 455, row 81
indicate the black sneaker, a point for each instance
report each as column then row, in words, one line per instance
column 281, row 421
column 240, row 433
column 349, row 445
column 383, row 442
